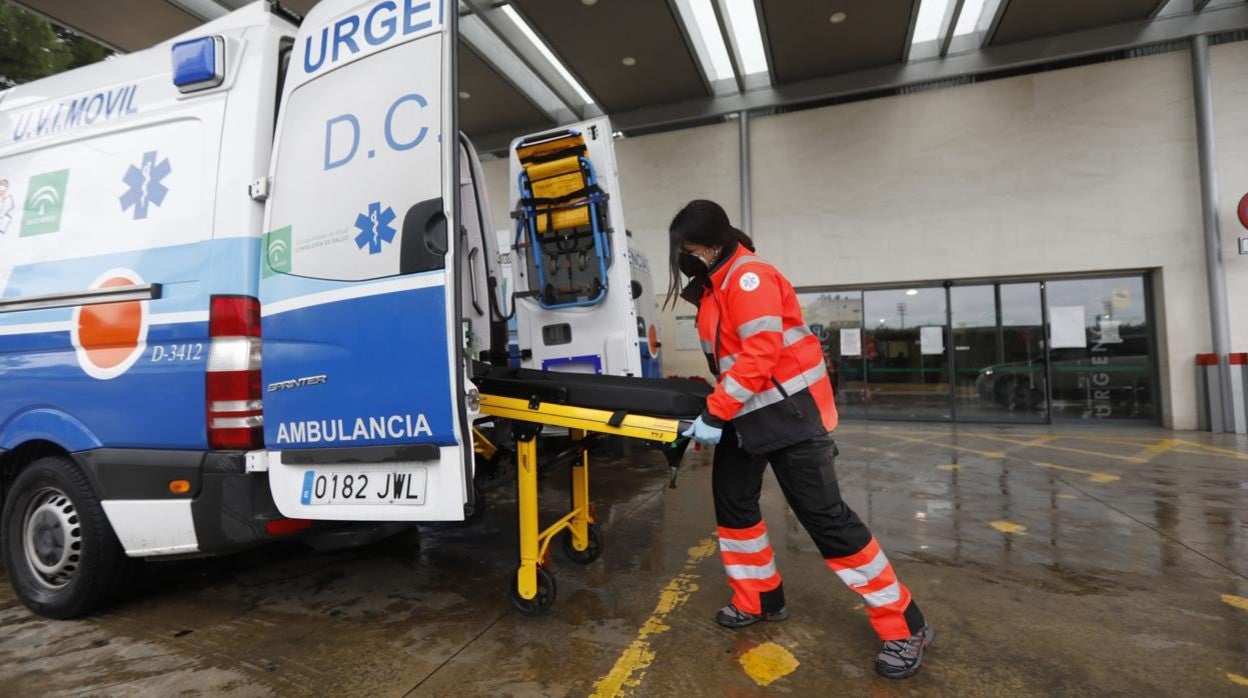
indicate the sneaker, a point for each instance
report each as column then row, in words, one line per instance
column 900, row 659
column 732, row 617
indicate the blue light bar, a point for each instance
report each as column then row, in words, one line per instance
column 198, row 64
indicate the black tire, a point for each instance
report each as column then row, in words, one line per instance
column 588, row 555
column 78, row 564
column 546, row 592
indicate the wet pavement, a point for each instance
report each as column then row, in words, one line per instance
column 1051, row 561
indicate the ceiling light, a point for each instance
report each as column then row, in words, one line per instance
column 741, row 21
column 491, row 48
column 589, row 3
column 969, row 19
column 629, row 61
column 931, row 14
column 514, row 17
column 464, row 95
column 912, row 292
column 838, row 17
column 698, row 16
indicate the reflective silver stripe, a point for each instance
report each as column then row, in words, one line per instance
column 707, row 346
column 883, row 597
column 735, row 390
column 793, row 335
column 754, row 545
column 765, row 323
column 753, row 571
column 793, row 385
column 743, row 260
column 861, row 576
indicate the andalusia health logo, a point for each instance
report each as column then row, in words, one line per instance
column 45, row 200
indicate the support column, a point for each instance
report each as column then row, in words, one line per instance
column 1219, row 316
column 743, row 125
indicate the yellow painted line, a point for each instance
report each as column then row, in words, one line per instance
column 1236, row 601
column 1236, row 678
column 1093, row 475
column 985, row 454
column 631, row 666
column 1162, row 446
column 949, row 466
column 1068, row 449
column 1214, row 450
column 1009, row 527
column 768, row 662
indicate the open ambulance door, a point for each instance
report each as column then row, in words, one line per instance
column 367, row 405
column 574, row 291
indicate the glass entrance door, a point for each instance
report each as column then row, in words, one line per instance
column 1101, row 349
column 905, row 349
column 999, row 360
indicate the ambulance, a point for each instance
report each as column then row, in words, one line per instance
column 243, row 278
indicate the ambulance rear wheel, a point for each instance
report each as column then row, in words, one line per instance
column 62, row 556
column 588, row 555
column 544, row 599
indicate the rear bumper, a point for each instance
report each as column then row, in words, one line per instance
column 225, row 510
column 228, row 509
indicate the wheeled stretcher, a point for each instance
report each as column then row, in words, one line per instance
column 652, row 410
column 561, row 221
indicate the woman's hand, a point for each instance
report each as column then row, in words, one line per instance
column 703, row 433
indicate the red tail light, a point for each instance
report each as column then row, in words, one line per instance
column 235, row 409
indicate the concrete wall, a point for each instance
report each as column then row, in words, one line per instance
column 1086, row 169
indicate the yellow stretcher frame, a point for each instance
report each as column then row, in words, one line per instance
column 534, row 540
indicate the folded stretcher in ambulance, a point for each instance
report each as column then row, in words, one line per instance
column 561, row 221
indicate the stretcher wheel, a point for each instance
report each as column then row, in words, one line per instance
column 588, row 555
column 545, row 594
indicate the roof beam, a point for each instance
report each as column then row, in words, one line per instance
column 990, row 19
column 991, row 60
column 496, row 54
column 914, row 23
column 1201, row 4
column 529, row 54
column 949, row 25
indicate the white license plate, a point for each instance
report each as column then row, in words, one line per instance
column 363, row 487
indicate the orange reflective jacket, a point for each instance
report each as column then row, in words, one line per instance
column 773, row 383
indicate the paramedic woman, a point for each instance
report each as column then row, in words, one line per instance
column 773, row 404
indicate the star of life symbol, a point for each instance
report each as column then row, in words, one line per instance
column 145, row 184
column 749, row 281
column 374, row 228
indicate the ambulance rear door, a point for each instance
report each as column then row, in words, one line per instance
column 599, row 338
column 363, row 371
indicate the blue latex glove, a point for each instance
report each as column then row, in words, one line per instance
column 703, row 433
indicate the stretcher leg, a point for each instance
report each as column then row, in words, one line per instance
column 526, row 495
column 580, row 497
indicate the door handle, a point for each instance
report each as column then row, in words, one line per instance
column 472, row 278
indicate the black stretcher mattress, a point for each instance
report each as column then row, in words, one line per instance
column 658, row 397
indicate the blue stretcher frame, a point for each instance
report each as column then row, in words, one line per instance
column 602, row 244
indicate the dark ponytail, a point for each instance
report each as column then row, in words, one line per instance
column 701, row 222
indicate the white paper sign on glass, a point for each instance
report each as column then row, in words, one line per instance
column 1109, row 332
column 851, row 342
column 687, row 332
column 1066, row 326
column 932, row 340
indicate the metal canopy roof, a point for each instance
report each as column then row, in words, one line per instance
column 652, row 64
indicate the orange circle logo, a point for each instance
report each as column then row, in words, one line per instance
column 110, row 337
